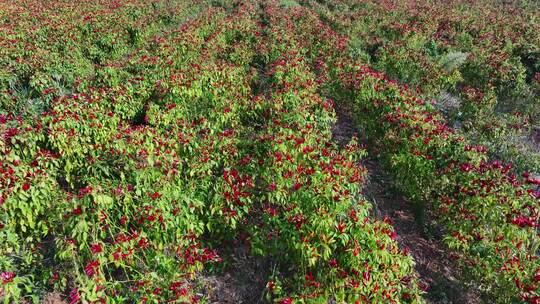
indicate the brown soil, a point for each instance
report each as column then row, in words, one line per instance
column 535, row 136
column 242, row 282
column 434, row 263
column 53, row 298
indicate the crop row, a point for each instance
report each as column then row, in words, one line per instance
column 52, row 49
column 127, row 177
column 481, row 66
column 111, row 189
column 127, row 186
column 488, row 215
column 314, row 219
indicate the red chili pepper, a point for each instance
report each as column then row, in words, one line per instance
column 7, row 277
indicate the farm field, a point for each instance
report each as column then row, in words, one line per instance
column 311, row 151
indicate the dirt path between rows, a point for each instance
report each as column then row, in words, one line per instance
column 242, row 282
column 434, row 264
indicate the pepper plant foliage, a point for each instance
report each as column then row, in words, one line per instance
column 141, row 140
